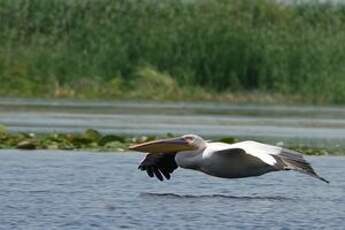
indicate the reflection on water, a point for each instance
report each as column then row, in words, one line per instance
column 291, row 124
column 189, row 196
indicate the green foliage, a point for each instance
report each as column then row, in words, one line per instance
column 2, row 129
column 148, row 83
column 93, row 140
column 150, row 49
column 110, row 139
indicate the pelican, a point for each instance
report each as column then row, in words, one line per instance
column 242, row 159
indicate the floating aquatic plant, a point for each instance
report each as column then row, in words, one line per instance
column 92, row 139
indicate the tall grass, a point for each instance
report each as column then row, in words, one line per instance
column 96, row 48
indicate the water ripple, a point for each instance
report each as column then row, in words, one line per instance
column 79, row 190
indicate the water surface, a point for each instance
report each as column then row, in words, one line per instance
column 307, row 125
column 83, row 190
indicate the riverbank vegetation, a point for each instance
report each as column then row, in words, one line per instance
column 95, row 141
column 209, row 49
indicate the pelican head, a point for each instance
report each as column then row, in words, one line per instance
column 189, row 142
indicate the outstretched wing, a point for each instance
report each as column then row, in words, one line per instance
column 156, row 164
column 289, row 159
column 277, row 157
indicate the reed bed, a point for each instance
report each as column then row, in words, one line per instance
column 173, row 49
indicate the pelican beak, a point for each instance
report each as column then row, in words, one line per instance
column 170, row 145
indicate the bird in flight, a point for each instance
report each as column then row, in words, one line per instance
column 242, row 159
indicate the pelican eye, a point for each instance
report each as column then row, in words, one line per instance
column 189, row 138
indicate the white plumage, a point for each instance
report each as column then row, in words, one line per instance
column 256, row 149
column 242, row 159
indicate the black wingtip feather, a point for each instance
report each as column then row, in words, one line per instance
column 323, row 179
column 149, row 172
column 291, row 160
column 159, row 165
column 158, row 174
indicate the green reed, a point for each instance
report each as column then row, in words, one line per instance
column 88, row 48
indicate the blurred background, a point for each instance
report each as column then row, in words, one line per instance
column 268, row 70
column 220, row 50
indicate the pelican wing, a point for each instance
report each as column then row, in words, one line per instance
column 237, row 163
column 291, row 160
column 279, row 158
column 239, row 155
column 261, row 151
column 156, row 164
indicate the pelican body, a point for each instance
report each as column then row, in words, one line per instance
column 242, row 159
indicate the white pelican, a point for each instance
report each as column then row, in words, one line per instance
column 243, row 159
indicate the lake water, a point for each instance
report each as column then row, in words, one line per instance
column 83, row 190
column 89, row 190
column 318, row 126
